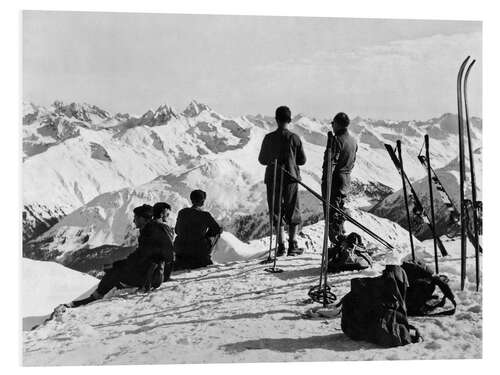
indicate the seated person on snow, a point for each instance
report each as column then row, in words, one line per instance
column 197, row 232
column 161, row 212
column 144, row 267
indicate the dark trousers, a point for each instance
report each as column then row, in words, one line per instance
column 340, row 188
column 117, row 277
column 290, row 207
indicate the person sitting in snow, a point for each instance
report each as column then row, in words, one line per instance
column 137, row 270
column 161, row 212
column 286, row 147
column 343, row 158
column 197, row 232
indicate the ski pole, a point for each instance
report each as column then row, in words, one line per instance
column 431, row 200
column 278, row 235
column 322, row 293
column 405, row 194
column 271, row 213
column 473, row 177
column 463, row 223
column 418, row 205
column 324, row 256
column 344, row 215
column 273, row 269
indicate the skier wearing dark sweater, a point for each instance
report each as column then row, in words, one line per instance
column 343, row 158
column 161, row 212
column 154, row 249
column 286, row 147
column 197, row 232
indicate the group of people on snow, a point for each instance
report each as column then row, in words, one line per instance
column 158, row 253
column 196, row 231
column 286, row 148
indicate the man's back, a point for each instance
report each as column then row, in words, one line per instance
column 347, row 146
column 194, row 224
column 285, row 146
column 344, row 151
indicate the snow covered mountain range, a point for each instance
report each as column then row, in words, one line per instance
column 85, row 169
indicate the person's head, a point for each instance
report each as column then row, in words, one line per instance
column 198, row 198
column 340, row 122
column 161, row 211
column 142, row 215
column 283, row 116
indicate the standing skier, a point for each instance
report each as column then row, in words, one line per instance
column 286, row 147
column 343, row 158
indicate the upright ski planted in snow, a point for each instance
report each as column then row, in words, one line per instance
column 405, row 194
column 416, row 201
column 431, row 200
column 322, row 293
column 463, row 219
column 473, row 177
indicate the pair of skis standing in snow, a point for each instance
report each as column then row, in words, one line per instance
column 470, row 228
column 336, row 152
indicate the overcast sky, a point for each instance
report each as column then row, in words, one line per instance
column 388, row 69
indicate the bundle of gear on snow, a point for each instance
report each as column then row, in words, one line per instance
column 375, row 309
column 420, row 297
column 348, row 254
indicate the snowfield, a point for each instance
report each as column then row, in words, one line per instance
column 237, row 312
column 48, row 284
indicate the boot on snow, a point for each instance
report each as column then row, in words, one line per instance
column 293, row 249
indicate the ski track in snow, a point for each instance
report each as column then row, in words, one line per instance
column 236, row 312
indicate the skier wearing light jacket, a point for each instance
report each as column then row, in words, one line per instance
column 344, row 148
column 286, row 147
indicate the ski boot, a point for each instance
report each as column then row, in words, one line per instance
column 293, row 249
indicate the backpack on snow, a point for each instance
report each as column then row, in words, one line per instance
column 375, row 311
column 420, row 297
column 348, row 254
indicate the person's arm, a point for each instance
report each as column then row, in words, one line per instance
column 301, row 155
column 213, row 227
column 264, row 156
column 178, row 222
column 323, row 174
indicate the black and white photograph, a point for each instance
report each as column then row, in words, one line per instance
column 201, row 188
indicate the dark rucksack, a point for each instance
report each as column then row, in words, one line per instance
column 374, row 310
column 420, row 297
column 348, row 254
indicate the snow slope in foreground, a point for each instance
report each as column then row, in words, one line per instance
column 238, row 313
column 48, row 284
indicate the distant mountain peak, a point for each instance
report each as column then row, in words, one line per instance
column 80, row 111
column 194, row 108
column 162, row 115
